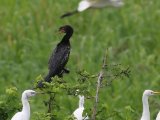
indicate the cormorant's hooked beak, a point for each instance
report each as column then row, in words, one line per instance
column 61, row 30
column 156, row 93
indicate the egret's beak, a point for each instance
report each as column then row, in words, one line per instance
column 39, row 92
column 156, row 92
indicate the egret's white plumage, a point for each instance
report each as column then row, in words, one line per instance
column 25, row 113
column 83, row 5
column 146, row 112
column 79, row 111
column 158, row 116
column 86, row 4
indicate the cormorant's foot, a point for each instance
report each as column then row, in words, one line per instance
column 66, row 70
column 60, row 75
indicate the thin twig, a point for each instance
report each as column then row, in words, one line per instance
column 99, row 81
column 122, row 73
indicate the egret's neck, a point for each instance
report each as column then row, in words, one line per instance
column 146, row 112
column 26, row 106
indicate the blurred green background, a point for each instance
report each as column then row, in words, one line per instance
column 28, row 34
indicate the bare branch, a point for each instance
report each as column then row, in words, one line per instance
column 99, row 81
column 113, row 73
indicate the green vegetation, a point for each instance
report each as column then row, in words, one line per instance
column 28, row 33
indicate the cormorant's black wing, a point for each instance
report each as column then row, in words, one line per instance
column 57, row 62
column 59, row 58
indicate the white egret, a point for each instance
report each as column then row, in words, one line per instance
column 79, row 111
column 146, row 112
column 86, row 4
column 158, row 116
column 25, row 113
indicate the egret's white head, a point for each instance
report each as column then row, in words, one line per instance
column 28, row 93
column 150, row 92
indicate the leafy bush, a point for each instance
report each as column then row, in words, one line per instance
column 9, row 103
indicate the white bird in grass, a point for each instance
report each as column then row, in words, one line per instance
column 158, row 116
column 79, row 111
column 146, row 112
column 25, row 113
column 86, row 4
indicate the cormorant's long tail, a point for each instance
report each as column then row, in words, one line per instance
column 46, row 79
column 69, row 14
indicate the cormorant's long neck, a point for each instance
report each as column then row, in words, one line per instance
column 26, row 106
column 146, row 112
column 67, row 37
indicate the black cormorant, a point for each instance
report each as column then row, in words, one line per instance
column 60, row 56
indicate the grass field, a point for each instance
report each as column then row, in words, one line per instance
column 28, row 33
